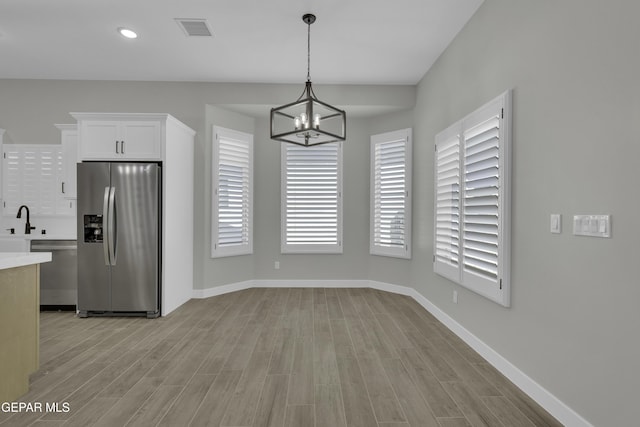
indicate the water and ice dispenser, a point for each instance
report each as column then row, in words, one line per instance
column 93, row 229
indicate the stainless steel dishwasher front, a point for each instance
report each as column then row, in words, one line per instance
column 58, row 278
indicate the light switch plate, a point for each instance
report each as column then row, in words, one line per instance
column 556, row 223
column 592, row 225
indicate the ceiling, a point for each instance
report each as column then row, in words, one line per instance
column 261, row 41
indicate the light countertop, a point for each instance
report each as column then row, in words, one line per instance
column 38, row 236
column 19, row 259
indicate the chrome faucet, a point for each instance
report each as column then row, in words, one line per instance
column 27, row 225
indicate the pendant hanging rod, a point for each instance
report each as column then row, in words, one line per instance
column 309, row 19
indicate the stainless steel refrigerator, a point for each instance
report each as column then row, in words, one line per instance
column 119, row 241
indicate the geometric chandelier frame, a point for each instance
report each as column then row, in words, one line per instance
column 308, row 121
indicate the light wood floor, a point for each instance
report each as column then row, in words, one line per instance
column 271, row 357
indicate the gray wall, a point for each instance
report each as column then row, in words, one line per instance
column 30, row 108
column 574, row 68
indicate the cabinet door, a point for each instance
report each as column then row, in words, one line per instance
column 69, row 161
column 140, row 140
column 99, row 138
column 120, row 140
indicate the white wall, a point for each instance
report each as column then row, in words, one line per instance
column 574, row 68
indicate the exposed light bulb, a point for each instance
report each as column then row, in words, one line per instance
column 316, row 121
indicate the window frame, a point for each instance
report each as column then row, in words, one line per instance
column 243, row 138
column 498, row 289
column 403, row 251
column 289, row 248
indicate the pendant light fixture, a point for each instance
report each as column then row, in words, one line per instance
column 308, row 121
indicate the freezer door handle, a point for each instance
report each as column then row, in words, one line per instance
column 105, row 224
column 113, row 226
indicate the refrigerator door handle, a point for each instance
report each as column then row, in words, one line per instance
column 113, row 226
column 105, row 225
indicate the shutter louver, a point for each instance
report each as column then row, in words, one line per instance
column 390, row 193
column 447, row 203
column 311, row 193
column 482, row 198
column 232, row 202
column 233, row 193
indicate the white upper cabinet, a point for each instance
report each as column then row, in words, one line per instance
column 119, row 136
column 69, row 140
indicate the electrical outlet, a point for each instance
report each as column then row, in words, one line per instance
column 455, row 297
column 276, row 265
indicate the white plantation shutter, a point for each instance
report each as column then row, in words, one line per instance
column 481, row 198
column 472, row 197
column 31, row 176
column 312, row 198
column 447, row 203
column 232, row 187
column 390, row 233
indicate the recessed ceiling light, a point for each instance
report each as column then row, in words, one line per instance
column 126, row 32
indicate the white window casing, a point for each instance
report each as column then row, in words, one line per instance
column 311, row 198
column 390, row 194
column 232, row 198
column 472, row 201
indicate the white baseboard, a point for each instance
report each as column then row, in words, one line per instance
column 542, row 396
column 224, row 289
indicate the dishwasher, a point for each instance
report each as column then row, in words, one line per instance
column 58, row 278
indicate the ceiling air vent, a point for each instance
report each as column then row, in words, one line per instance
column 194, row 27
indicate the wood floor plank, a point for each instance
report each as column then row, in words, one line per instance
column 381, row 344
column 392, row 331
column 341, row 339
column 357, row 406
column 283, row 352
column 184, row 408
column 383, row 398
column 273, row 402
column 454, row 422
column 154, row 408
column 301, row 381
column 414, row 406
column 215, row 403
column 470, row 404
column 346, row 305
column 300, row 416
column 440, row 402
column 92, row 412
column 241, row 353
column 325, row 365
column 126, row 407
column 504, row 410
column 243, row 403
column 328, row 406
column 333, row 304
